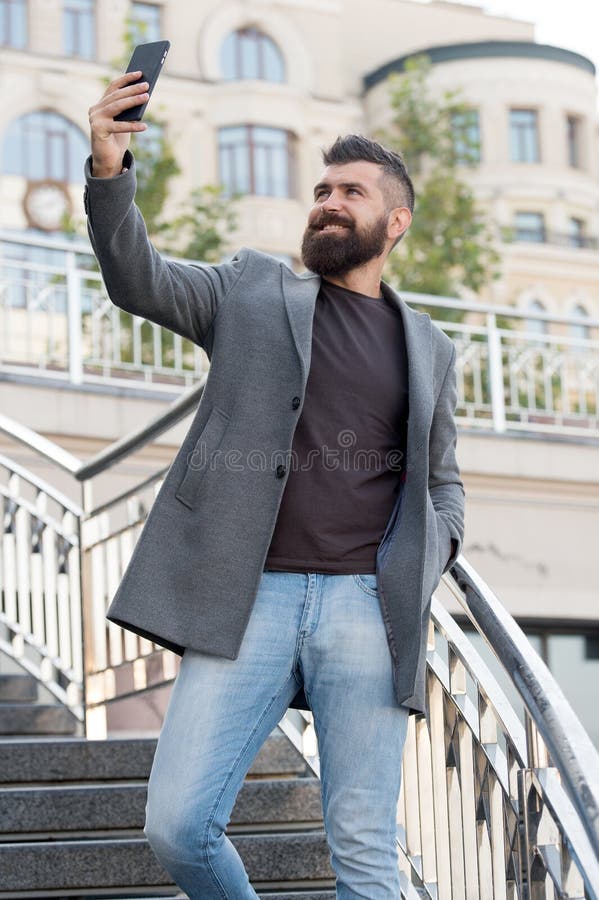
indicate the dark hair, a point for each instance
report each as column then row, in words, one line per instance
column 357, row 148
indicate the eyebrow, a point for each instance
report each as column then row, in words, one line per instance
column 343, row 184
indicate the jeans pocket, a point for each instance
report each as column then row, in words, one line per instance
column 367, row 583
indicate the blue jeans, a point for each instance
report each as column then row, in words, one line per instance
column 324, row 630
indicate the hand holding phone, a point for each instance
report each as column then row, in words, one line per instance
column 147, row 59
column 118, row 112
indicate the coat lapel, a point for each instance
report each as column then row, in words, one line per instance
column 418, row 335
column 300, row 292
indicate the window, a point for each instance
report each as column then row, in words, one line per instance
column 145, row 23
column 79, row 31
column 256, row 160
column 530, row 226
column 537, row 326
column 524, row 138
column 13, row 23
column 573, row 133
column 580, row 329
column 576, row 233
column 44, row 145
column 466, row 136
column 248, row 53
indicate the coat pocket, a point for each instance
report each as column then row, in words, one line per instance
column 202, row 456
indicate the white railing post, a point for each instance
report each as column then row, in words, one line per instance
column 74, row 319
column 495, row 373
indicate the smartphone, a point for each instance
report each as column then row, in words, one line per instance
column 147, row 59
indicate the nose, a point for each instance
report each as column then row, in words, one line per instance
column 331, row 202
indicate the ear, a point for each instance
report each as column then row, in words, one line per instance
column 398, row 222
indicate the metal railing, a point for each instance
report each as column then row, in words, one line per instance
column 555, row 238
column 517, row 370
column 489, row 807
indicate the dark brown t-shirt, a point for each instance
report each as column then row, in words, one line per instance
column 349, row 445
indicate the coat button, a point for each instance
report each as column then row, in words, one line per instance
column 295, row 402
column 281, row 471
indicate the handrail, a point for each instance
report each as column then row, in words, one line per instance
column 567, row 741
column 41, row 485
column 45, row 447
column 176, row 411
column 116, row 451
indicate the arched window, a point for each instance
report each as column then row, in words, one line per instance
column 536, row 326
column 44, row 144
column 249, row 53
column 257, row 160
column 580, row 329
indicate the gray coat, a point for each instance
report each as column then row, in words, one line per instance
column 195, row 570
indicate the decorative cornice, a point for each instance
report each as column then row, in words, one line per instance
column 482, row 50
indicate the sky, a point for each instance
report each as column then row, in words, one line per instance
column 573, row 25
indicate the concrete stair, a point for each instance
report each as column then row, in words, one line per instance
column 27, row 707
column 72, row 813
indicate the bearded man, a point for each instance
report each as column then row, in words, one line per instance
column 292, row 551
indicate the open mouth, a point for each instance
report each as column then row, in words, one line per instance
column 331, row 227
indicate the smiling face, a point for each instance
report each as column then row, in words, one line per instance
column 350, row 222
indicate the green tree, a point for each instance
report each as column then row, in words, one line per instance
column 450, row 243
column 203, row 225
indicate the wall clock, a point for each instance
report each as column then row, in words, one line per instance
column 45, row 203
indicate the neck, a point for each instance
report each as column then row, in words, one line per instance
column 363, row 280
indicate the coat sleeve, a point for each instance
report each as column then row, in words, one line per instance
column 183, row 298
column 444, row 483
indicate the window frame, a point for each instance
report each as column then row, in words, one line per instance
column 473, row 154
column 573, row 145
column 519, row 231
column 6, row 8
column 517, row 131
column 250, row 146
column 139, row 38
column 27, row 126
column 79, row 15
column 260, row 39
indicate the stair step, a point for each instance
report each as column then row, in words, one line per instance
column 41, row 811
column 18, row 688
column 300, row 857
column 21, row 719
column 78, row 759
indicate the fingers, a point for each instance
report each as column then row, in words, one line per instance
column 130, row 91
column 122, row 127
column 121, row 81
column 114, row 102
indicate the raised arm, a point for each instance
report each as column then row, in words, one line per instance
column 183, row 298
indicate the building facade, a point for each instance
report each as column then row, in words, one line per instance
column 251, row 93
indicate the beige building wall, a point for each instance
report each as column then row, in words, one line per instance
column 328, row 47
column 558, row 276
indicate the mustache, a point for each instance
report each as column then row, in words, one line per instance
column 330, row 219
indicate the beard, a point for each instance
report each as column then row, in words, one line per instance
column 335, row 253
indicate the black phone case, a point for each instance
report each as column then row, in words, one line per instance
column 147, row 58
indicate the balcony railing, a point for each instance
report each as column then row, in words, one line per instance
column 555, row 238
column 516, row 370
